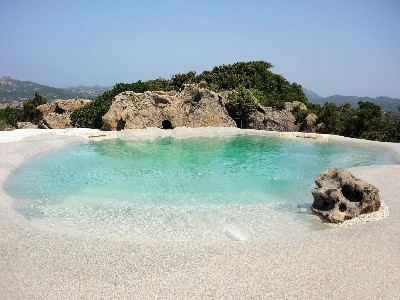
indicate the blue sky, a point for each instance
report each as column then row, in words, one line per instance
column 331, row 47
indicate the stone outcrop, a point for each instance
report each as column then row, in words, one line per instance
column 57, row 114
column 269, row 118
column 340, row 196
column 273, row 119
column 310, row 124
column 295, row 104
column 193, row 106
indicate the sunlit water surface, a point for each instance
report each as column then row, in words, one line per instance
column 241, row 188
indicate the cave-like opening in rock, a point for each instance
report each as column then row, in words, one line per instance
column 166, row 124
column 352, row 194
column 121, row 124
column 342, row 207
column 59, row 110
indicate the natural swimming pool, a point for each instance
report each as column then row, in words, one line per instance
column 242, row 187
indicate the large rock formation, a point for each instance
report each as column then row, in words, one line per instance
column 310, row 124
column 269, row 118
column 192, row 107
column 340, row 196
column 57, row 114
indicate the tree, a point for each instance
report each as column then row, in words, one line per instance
column 271, row 89
column 347, row 120
column 241, row 104
column 391, row 127
column 329, row 115
column 178, row 80
column 30, row 111
column 369, row 120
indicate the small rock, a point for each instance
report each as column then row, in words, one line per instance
column 26, row 125
column 340, row 196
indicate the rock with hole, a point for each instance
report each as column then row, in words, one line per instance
column 340, row 196
column 193, row 106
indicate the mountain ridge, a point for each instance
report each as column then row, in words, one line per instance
column 15, row 90
column 386, row 103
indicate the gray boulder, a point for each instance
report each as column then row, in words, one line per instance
column 340, row 196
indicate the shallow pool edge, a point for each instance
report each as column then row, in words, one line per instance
column 20, row 145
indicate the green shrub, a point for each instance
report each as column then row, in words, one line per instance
column 178, row 80
column 4, row 125
column 11, row 115
column 366, row 122
column 89, row 116
column 159, row 84
column 30, row 111
column 241, row 105
column 255, row 75
column 300, row 114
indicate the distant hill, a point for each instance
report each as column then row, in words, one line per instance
column 386, row 103
column 311, row 95
column 14, row 90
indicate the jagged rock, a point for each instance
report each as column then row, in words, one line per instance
column 269, row 118
column 26, row 125
column 57, row 114
column 193, row 106
column 340, row 196
column 309, row 124
column 295, row 104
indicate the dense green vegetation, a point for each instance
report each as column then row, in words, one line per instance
column 241, row 105
column 9, row 117
column 367, row 121
column 268, row 88
column 271, row 89
column 29, row 113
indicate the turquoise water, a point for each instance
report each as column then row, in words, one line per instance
column 95, row 184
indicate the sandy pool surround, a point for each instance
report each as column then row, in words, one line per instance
column 361, row 262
